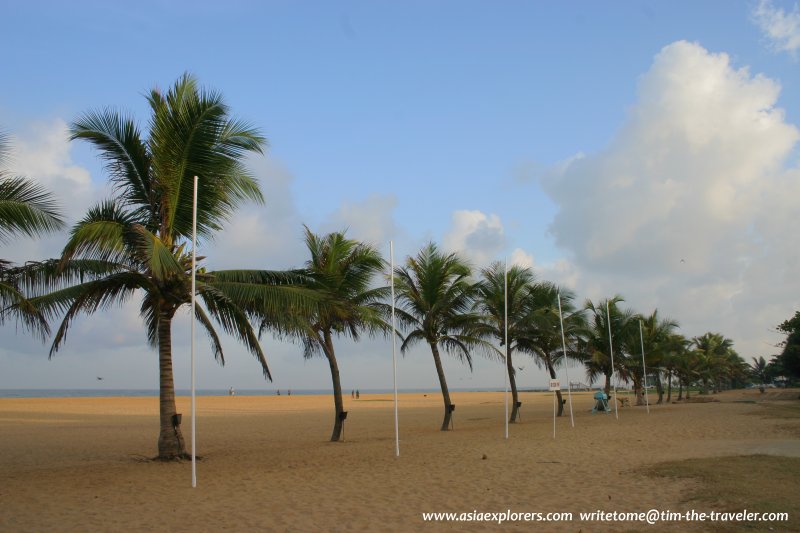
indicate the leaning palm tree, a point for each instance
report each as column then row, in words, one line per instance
column 340, row 271
column 436, row 297
column 540, row 332
column 655, row 338
column 26, row 209
column 596, row 348
column 493, row 299
column 136, row 242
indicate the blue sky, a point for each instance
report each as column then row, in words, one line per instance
column 590, row 140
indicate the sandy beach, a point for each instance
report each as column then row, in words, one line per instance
column 83, row 464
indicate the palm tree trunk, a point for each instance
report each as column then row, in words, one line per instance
column 680, row 389
column 659, row 388
column 514, row 395
column 170, row 439
column 448, row 412
column 552, row 371
column 607, row 388
column 638, row 390
column 337, row 387
column 669, row 386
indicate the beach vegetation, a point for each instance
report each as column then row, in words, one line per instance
column 596, row 347
column 340, row 271
column 436, row 299
column 655, row 340
column 499, row 292
column 139, row 240
column 541, row 334
column 26, row 210
column 787, row 363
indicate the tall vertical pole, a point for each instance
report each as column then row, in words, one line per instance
column 194, row 303
column 611, row 347
column 644, row 368
column 505, row 334
column 566, row 363
column 394, row 353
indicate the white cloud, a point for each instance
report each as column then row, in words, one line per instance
column 780, row 27
column 370, row 220
column 265, row 236
column 42, row 153
column 689, row 207
column 477, row 236
column 521, row 258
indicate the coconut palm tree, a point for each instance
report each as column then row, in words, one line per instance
column 26, row 209
column 686, row 369
column 595, row 349
column 136, row 242
column 712, row 352
column 540, row 333
column 340, row 271
column 492, row 301
column 678, row 348
column 435, row 300
column 759, row 370
column 655, row 336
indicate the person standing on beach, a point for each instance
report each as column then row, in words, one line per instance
column 231, row 392
column 352, row 394
column 357, row 394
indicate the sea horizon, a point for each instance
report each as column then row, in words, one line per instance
column 100, row 393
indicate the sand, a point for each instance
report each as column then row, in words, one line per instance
column 82, row 464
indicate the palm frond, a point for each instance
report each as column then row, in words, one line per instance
column 100, row 235
column 216, row 345
column 87, row 298
column 127, row 161
column 14, row 304
column 233, row 321
column 154, row 254
column 26, row 208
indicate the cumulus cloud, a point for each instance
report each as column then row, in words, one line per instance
column 42, row 153
column 477, row 236
column 781, row 28
column 265, row 236
column 370, row 220
column 688, row 208
column 521, row 258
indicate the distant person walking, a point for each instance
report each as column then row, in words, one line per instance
column 358, row 395
column 352, row 393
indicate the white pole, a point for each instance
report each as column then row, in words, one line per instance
column 566, row 363
column 554, row 414
column 194, row 303
column 644, row 369
column 394, row 354
column 611, row 347
column 505, row 323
